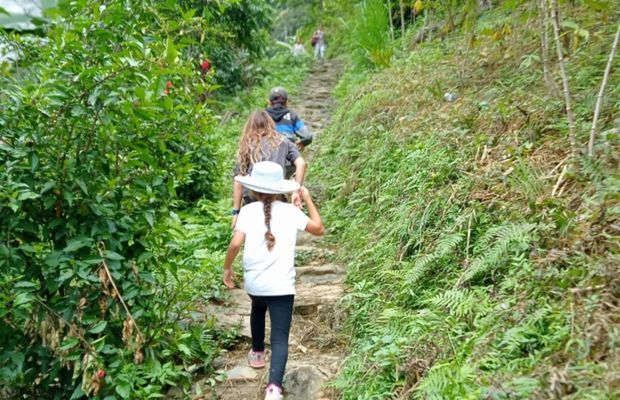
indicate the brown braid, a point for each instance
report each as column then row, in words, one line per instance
column 267, row 200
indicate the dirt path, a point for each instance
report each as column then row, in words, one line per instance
column 315, row 344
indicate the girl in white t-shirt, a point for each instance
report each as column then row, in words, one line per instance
column 268, row 228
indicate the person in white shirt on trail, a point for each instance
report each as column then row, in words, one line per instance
column 269, row 227
column 299, row 49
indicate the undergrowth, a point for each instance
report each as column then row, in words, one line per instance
column 474, row 269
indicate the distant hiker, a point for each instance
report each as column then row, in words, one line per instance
column 299, row 49
column 269, row 228
column 319, row 43
column 287, row 121
column 260, row 142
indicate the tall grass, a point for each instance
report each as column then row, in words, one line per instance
column 369, row 34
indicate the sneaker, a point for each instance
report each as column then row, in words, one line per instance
column 273, row 392
column 256, row 359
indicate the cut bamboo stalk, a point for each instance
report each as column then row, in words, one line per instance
column 390, row 17
column 567, row 94
column 544, row 46
column 559, row 182
column 601, row 92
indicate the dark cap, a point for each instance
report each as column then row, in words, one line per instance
column 278, row 95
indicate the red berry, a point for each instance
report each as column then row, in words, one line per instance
column 168, row 84
column 206, row 65
column 101, row 374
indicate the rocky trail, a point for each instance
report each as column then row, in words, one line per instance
column 315, row 344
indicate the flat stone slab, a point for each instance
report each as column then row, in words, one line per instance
column 320, row 274
column 323, row 269
column 315, row 295
column 241, row 373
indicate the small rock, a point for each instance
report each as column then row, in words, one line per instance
column 450, row 97
column 175, row 393
column 240, row 373
column 303, row 383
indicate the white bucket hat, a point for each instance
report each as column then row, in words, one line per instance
column 267, row 177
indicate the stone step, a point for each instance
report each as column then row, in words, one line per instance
column 324, row 269
column 311, row 296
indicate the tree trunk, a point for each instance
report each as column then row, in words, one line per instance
column 599, row 98
column 567, row 94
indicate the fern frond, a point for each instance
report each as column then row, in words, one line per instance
column 445, row 246
column 448, row 243
column 462, row 302
column 506, row 238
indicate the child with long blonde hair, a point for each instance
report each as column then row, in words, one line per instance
column 260, row 142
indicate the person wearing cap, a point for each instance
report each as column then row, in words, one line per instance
column 268, row 230
column 287, row 121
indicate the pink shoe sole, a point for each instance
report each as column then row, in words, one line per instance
column 256, row 360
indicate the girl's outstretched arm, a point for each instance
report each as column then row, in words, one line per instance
column 233, row 249
column 300, row 173
column 315, row 225
column 237, row 196
column 300, row 170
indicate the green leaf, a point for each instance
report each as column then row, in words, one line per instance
column 570, row 24
column 123, row 389
column 77, row 393
column 27, row 195
column 34, row 161
column 112, row 255
column 18, row 360
column 27, row 285
column 77, row 243
column 171, row 51
column 149, row 218
column 99, row 327
column 65, row 274
column 22, row 298
column 184, row 349
column 69, row 343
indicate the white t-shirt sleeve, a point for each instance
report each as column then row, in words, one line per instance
column 299, row 219
column 243, row 221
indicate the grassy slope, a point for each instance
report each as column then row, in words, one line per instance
column 468, row 278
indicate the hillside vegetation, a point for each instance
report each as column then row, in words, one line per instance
column 117, row 131
column 482, row 256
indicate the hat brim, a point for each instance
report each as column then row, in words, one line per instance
column 284, row 186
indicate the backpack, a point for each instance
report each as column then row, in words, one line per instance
column 314, row 39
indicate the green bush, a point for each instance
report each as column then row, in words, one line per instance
column 101, row 125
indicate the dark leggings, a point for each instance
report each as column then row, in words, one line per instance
column 281, row 313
